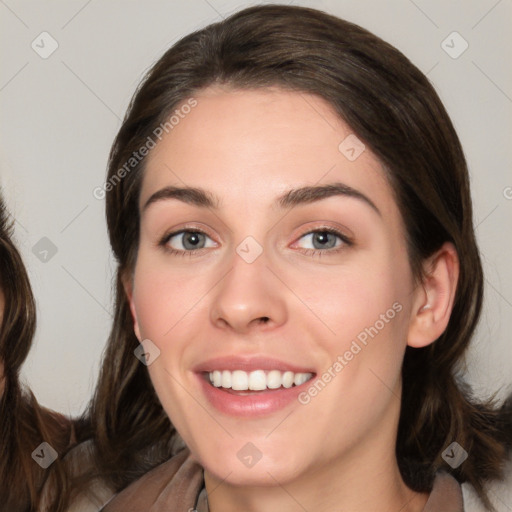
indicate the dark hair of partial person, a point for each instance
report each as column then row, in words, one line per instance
column 392, row 107
column 24, row 424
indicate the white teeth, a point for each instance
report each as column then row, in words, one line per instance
column 300, row 378
column 239, row 380
column 226, row 379
column 288, row 378
column 217, row 378
column 257, row 380
column 274, row 380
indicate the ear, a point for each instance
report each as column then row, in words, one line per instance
column 434, row 297
column 128, row 289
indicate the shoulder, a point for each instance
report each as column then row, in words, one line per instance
column 499, row 492
column 175, row 483
column 446, row 494
column 90, row 497
column 97, row 494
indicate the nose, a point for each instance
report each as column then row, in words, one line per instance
column 249, row 297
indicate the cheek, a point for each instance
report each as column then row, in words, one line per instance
column 161, row 298
column 362, row 329
column 163, row 303
column 151, row 308
column 349, row 300
column 170, row 311
column 360, row 375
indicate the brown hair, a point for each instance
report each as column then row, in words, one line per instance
column 24, row 424
column 391, row 106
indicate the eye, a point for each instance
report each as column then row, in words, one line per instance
column 325, row 240
column 185, row 242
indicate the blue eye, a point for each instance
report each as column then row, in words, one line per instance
column 190, row 240
column 324, row 241
column 187, row 241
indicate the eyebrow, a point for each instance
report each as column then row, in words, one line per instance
column 294, row 197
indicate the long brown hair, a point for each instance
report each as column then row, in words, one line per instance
column 391, row 106
column 24, row 424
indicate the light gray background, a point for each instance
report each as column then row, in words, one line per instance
column 59, row 116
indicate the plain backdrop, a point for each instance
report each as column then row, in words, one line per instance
column 59, row 116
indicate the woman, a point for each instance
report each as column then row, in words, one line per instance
column 300, row 377
column 26, row 464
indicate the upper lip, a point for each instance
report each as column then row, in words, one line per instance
column 249, row 364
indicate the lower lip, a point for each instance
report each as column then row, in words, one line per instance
column 257, row 404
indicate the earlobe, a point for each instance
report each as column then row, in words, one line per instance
column 128, row 289
column 434, row 299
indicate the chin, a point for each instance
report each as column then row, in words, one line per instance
column 262, row 474
column 249, row 466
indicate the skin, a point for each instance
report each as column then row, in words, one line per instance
column 248, row 147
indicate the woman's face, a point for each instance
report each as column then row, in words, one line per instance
column 338, row 306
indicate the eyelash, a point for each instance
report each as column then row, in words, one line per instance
column 347, row 242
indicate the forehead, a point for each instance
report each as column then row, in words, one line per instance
column 253, row 145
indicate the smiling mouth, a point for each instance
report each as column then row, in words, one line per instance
column 241, row 382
